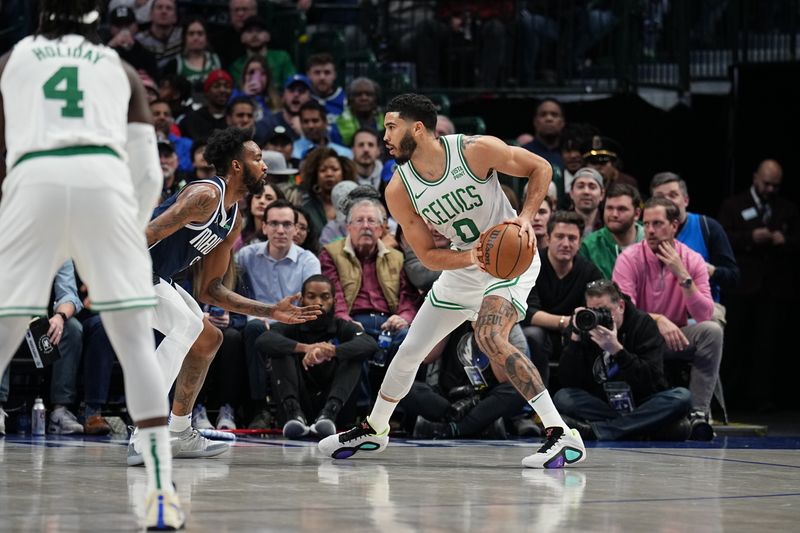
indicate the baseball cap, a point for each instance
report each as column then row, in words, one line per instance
column 213, row 76
column 279, row 132
column 589, row 172
column 121, row 16
column 165, row 147
column 297, row 78
column 276, row 164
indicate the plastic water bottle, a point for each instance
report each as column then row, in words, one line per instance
column 38, row 418
column 385, row 339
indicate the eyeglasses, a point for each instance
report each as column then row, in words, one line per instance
column 274, row 224
column 371, row 222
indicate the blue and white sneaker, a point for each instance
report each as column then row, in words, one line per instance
column 200, row 418
column 163, row 511
column 360, row 438
column 559, row 450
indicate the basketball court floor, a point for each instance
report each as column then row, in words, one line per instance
column 62, row 484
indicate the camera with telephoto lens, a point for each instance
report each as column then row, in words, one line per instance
column 590, row 318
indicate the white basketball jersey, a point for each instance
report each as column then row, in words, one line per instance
column 460, row 205
column 63, row 93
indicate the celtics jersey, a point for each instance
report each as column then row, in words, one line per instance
column 460, row 205
column 63, row 93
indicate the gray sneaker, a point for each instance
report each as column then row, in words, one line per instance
column 189, row 444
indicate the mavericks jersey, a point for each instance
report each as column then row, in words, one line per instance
column 460, row 205
column 189, row 244
column 64, row 93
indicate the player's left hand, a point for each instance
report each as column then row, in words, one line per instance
column 525, row 228
column 287, row 313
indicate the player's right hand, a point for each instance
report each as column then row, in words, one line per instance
column 287, row 313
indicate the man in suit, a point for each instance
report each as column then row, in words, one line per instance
column 763, row 230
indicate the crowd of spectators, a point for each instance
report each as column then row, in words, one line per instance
column 320, row 229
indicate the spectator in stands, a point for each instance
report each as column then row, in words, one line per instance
column 548, row 123
column 315, row 366
column 228, row 41
column 164, row 37
column 558, row 291
column 541, row 220
column 315, row 132
column 271, row 271
column 177, row 91
column 321, row 71
column 305, row 237
column 296, row 92
column 455, row 406
column 574, row 137
column 669, row 280
column 240, row 112
column 322, row 170
column 202, row 169
column 612, row 377
column 255, row 38
column 444, row 126
column 702, row 234
column 363, row 95
column 253, row 215
column 150, row 87
column 123, row 28
column 366, row 155
column 196, row 60
column 371, row 287
column 165, row 131
column 621, row 228
column 256, row 83
column 587, row 195
column 199, row 124
column 173, row 179
column 604, row 155
column 764, row 230
column 281, row 176
column 337, row 228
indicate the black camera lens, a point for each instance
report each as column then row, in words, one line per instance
column 588, row 319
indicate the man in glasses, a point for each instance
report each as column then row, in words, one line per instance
column 612, row 375
column 270, row 271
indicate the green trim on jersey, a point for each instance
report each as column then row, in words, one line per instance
column 442, row 304
column 408, row 189
column 521, row 308
column 501, row 284
column 446, row 168
column 121, row 305
column 68, row 151
column 20, row 310
column 464, row 162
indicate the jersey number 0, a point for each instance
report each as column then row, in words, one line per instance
column 70, row 93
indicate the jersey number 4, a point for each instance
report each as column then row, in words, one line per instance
column 67, row 78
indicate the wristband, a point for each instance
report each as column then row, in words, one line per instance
column 63, row 316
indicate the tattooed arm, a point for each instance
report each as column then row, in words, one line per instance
column 213, row 292
column 195, row 205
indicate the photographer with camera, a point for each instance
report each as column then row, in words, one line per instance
column 611, row 371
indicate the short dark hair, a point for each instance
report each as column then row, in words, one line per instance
column 668, row 177
column 280, row 203
column 314, row 106
column 415, row 107
column 551, row 100
column 624, row 189
column 566, row 217
column 602, row 287
column 371, row 131
column 671, row 210
column 239, row 100
column 321, row 279
column 322, row 58
column 224, row 146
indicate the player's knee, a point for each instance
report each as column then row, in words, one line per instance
column 207, row 343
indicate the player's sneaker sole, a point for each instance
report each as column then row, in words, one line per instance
column 559, row 450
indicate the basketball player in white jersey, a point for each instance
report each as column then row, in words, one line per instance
column 83, row 175
column 452, row 183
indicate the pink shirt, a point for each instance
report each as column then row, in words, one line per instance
column 655, row 289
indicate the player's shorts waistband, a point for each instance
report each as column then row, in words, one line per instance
column 68, row 151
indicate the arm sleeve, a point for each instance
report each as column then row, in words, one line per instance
column 726, row 273
column 354, row 343
column 66, row 288
column 406, row 307
column 329, row 271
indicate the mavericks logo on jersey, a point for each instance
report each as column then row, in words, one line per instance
column 204, row 243
column 452, row 204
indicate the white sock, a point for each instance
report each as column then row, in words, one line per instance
column 154, row 445
column 178, row 423
column 380, row 415
column 543, row 405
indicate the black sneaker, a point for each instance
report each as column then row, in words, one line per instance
column 295, row 426
column 425, row 429
column 700, row 428
column 584, row 428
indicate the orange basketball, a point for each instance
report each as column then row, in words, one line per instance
column 504, row 252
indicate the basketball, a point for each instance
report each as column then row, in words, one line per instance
column 504, row 252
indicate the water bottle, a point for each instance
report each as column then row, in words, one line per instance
column 38, row 418
column 385, row 340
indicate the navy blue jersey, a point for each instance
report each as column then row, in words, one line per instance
column 186, row 246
